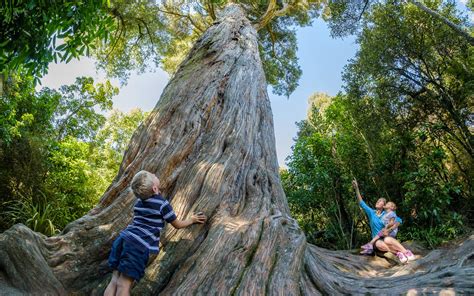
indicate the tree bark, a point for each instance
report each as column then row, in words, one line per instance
column 210, row 140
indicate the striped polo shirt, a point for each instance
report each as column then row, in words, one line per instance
column 148, row 220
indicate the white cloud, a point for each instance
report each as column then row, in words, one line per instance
column 62, row 73
column 142, row 90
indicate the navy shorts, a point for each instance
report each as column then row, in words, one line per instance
column 128, row 259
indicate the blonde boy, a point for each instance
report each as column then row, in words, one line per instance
column 131, row 250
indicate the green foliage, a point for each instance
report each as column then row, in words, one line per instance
column 346, row 17
column 425, row 186
column 55, row 158
column 71, row 182
column 38, row 217
column 343, row 17
column 31, row 30
column 26, row 129
column 280, row 63
column 421, row 77
column 111, row 142
column 319, row 176
column 76, row 112
column 141, row 35
column 331, row 149
column 452, row 228
column 403, row 130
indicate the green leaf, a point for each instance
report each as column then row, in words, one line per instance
column 62, row 47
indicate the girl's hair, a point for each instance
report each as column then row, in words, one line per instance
column 142, row 184
column 393, row 205
column 383, row 199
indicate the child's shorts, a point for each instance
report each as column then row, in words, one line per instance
column 128, row 259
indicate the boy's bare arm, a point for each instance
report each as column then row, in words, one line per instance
column 196, row 218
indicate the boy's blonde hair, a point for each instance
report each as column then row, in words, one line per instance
column 142, row 184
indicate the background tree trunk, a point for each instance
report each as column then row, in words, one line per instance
column 210, row 140
column 458, row 30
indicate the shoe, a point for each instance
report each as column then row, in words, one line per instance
column 409, row 255
column 367, row 252
column 367, row 249
column 402, row 257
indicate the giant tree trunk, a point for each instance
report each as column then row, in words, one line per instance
column 210, row 139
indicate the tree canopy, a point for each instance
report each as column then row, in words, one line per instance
column 127, row 36
column 35, row 33
column 346, row 16
column 160, row 34
column 142, row 35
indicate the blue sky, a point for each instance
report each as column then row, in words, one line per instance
column 321, row 58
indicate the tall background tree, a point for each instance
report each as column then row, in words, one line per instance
column 345, row 16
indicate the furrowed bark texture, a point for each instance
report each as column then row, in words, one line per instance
column 210, row 140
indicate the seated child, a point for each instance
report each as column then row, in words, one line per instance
column 130, row 250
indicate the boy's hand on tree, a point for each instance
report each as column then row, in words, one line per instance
column 199, row 218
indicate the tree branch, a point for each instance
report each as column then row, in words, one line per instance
column 210, row 9
column 187, row 16
column 366, row 4
column 121, row 31
column 446, row 21
column 148, row 33
column 272, row 37
column 272, row 12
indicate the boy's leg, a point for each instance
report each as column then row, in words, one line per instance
column 114, row 261
column 112, row 287
column 124, row 284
